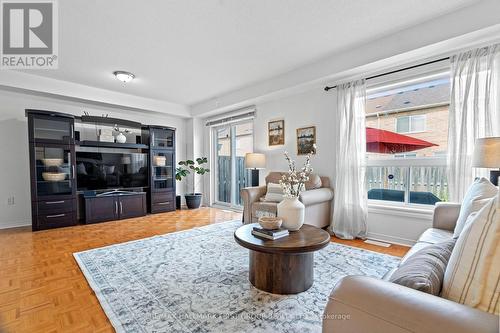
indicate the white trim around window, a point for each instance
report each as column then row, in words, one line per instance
column 411, row 119
column 408, row 162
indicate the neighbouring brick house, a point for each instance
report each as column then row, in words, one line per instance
column 421, row 113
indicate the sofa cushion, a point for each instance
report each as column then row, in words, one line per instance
column 260, row 209
column 476, row 197
column 473, row 273
column 434, row 235
column 313, row 182
column 414, row 249
column 274, row 193
column 425, row 269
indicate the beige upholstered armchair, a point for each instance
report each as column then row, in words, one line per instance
column 317, row 198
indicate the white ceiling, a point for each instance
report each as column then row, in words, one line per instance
column 187, row 51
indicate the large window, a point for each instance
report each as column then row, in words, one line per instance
column 407, row 131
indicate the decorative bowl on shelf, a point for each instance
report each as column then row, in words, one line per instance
column 270, row 223
column 52, row 162
column 53, row 176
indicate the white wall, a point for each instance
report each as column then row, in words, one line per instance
column 14, row 158
column 311, row 108
column 397, row 226
column 194, row 149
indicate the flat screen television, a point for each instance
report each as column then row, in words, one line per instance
column 103, row 170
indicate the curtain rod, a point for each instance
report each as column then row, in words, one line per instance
column 396, row 71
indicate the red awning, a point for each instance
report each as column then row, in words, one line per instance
column 387, row 142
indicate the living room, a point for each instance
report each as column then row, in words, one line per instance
column 264, row 166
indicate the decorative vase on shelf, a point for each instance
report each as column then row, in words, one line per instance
column 291, row 210
column 121, row 138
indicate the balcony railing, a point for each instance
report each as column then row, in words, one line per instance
column 411, row 181
column 224, row 178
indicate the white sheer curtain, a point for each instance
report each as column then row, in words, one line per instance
column 474, row 113
column 350, row 202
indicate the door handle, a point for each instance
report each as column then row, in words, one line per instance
column 54, row 216
column 54, row 202
column 164, row 203
column 121, row 207
column 116, row 207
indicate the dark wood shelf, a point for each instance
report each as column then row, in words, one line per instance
column 54, row 181
column 53, row 203
column 110, row 121
column 88, row 143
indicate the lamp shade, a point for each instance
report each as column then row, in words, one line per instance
column 255, row 161
column 487, row 153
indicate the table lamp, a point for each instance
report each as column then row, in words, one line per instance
column 126, row 161
column 487, row 155
column 255, row 161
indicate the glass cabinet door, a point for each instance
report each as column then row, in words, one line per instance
column 52, row 129
column 162, row 138
column 54, row 171
column 162, row 170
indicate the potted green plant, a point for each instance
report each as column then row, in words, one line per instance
column 187, row 167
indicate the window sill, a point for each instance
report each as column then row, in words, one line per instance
column 420, row 212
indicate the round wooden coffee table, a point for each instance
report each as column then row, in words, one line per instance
column 285, row 265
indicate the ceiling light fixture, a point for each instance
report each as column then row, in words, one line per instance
column 124, row 76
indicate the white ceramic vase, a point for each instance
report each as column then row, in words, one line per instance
column 121, row 138
column 291, row 210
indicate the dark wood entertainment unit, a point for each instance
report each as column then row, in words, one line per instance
column 65, row 193
column 113, row 206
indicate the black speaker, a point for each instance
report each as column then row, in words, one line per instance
column 138, row 139
column 77, row 135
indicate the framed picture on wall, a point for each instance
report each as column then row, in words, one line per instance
column 276, row 132
column 306, row 138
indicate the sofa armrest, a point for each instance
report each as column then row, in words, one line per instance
column 249, row 195
column 316, row 196
column 445, row 215
column 364, row 304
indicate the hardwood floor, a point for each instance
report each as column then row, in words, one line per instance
column 42, row 288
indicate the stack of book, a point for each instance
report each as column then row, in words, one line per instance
column 269, row 234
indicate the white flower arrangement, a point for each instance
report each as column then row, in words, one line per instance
column 293, row 183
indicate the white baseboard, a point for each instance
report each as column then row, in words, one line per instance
column 15, row 224
column 378, row 243
column 391, row 239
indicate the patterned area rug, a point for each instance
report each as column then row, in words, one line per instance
column 197, row 281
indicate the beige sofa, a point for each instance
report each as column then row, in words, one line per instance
column 317, row 199
column 364, row 304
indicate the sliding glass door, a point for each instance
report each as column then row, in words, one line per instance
column 232, row 142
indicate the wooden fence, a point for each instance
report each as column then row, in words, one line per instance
column 224, row 178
